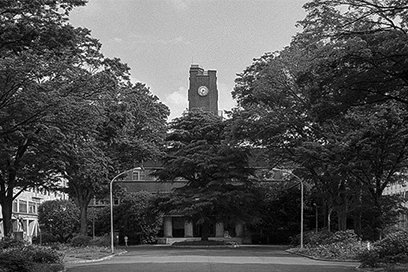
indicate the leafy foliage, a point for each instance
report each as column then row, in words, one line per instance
column 392, row 249
column 8, row 242
column 80, row 241
column 134, row 217
column 39, row 54
column 45, row 238
column 101, row 241
column 280, row 217
column 18, row 256
column 11, row 262
column 216, row 172
column 343, row 245
column 333, row 105
column 59, row 218
column 65, row 109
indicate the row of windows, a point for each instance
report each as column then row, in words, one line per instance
column 23, row 206
column 141, row 175
column 404, row 194
column 403, row 221
column 104, row 202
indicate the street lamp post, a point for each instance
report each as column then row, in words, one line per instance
column 111, row 204
column 93, row 218
column 316, row 217
column 301, row 201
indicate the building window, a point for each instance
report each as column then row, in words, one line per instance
column 14, row 206
column 135, row 175
column 32, row 207
column 22, row 206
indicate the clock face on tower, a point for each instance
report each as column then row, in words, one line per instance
column 202, row 90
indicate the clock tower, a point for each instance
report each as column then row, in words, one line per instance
column 202, row 92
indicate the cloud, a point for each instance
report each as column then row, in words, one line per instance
column 141, row 39
column 178, row 40
column 135, row 80
column 182, row 5
column 178, row 102
column 225, row 101
column 178, row 97
column 179, row 5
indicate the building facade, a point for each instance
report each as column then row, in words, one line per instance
column 402, row 190
column 202, row 91
column 176, row 227
column 25, row 212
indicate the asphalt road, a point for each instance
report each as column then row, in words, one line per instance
column 242, row 259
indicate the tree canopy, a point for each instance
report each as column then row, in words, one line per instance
column 38, row 48
column 59, row 218
column 333, row 103
column 66, row 111
column 217, row 175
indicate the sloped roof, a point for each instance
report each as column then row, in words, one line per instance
column 154, row 187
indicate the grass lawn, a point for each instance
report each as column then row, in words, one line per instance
column 86, row 253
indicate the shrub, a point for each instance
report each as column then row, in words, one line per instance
column 45, row 255
column 81, row 241
column 60, row 218
column 338, row 245
column 345, row 236
column 9, row 262
column 311, row 238
column 102, row 241
column 368, row 258
column 45, row 239
column 37, row 254
column 314, row 239
column 392, row 249
column 48, row 267
column 23, row 259
column 9, row 242
column 337, row 250
column 137, row 216
column 205, row 243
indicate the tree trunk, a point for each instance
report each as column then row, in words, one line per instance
column 378, row 223
column 359, row 215
column 6, row 211
column 324, row 213
column 83, row 230
column 342, row 219
column 205, row 231
column 329, row 219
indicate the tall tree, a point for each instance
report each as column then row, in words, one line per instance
column 317, row 100
column 217, row 173
column 38, row 48
column 360, row 48
column 65, row 109
column 113, row 125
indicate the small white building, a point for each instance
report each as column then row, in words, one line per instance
column 25, row 211
column 402, row 190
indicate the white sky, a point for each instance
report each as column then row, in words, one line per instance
column 160, row 39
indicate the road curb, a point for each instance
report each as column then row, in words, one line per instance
column 97, row 260
column 321, row 259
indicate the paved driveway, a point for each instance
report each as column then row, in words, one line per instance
column 242, row 259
